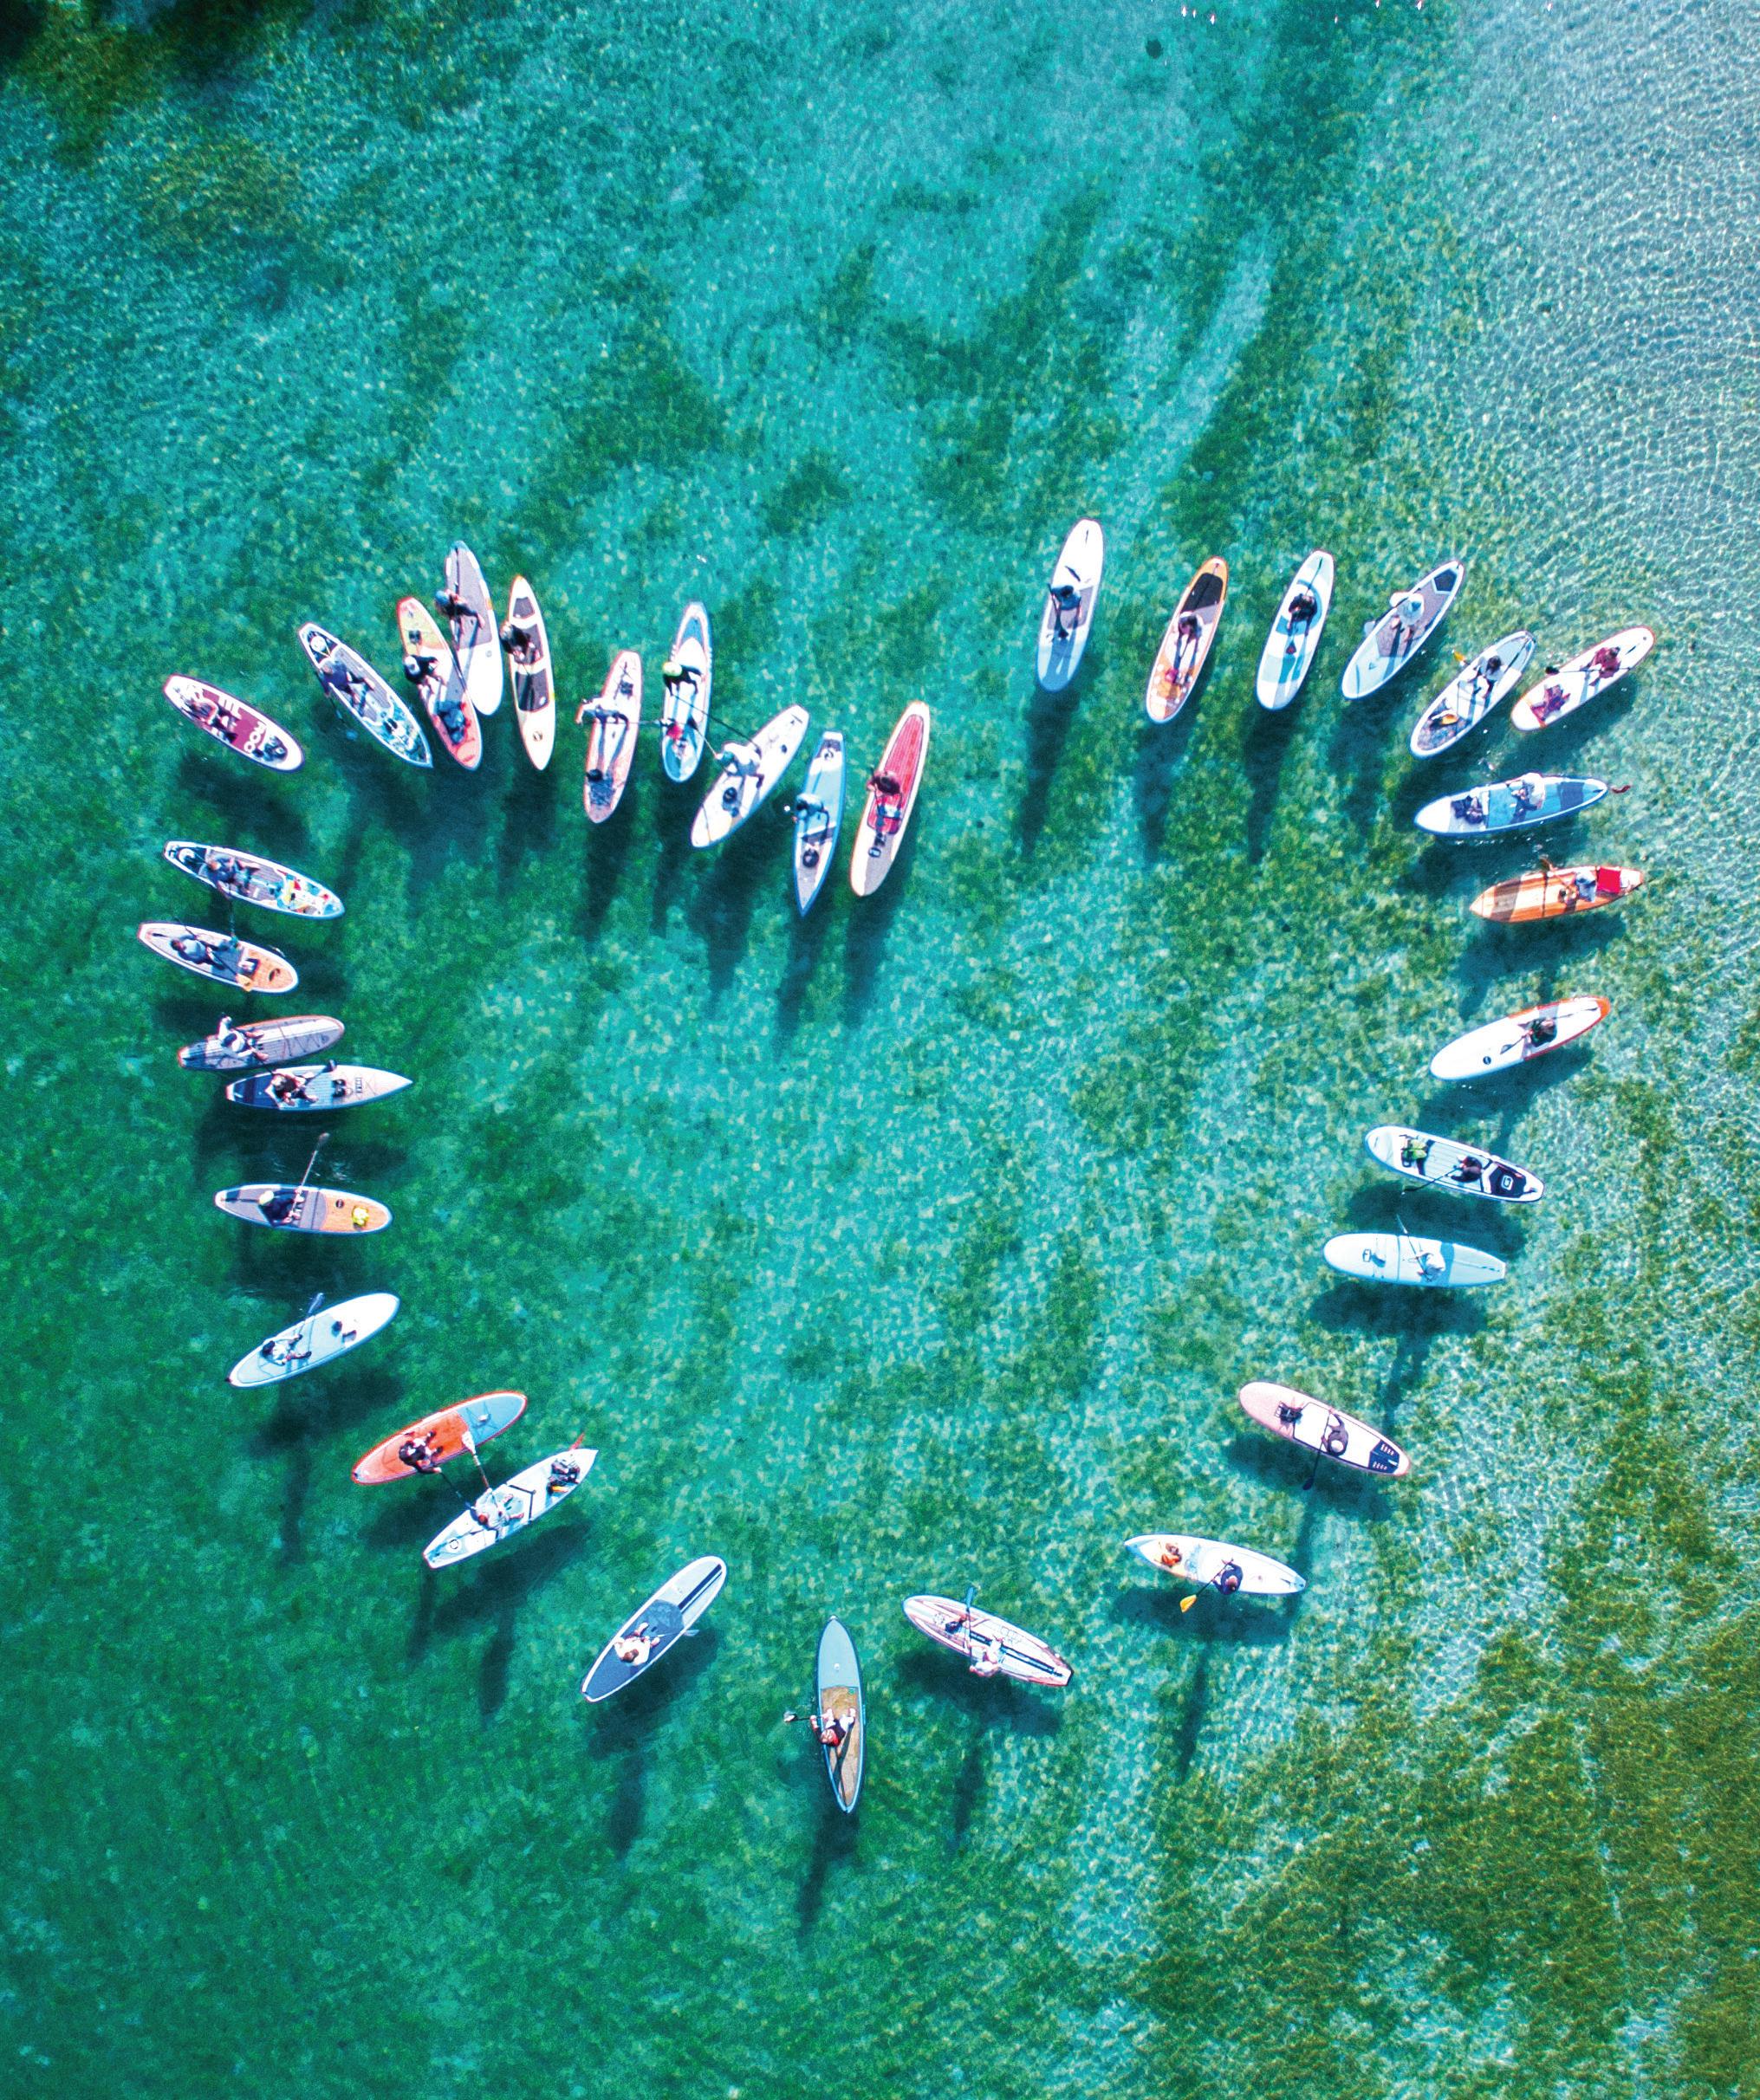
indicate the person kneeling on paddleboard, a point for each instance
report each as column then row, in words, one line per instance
column 986, row 1655
column 1066, row 609
column 278, row 1205
column 1540, row 1031
column 1228, row 1578
column 418, row 1453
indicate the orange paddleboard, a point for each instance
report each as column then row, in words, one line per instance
column 440, row 1437
column 1185, row 647
column 1551, row 892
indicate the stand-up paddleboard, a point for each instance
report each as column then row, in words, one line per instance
column 448, row 1433
column 687, row 677
column 1529, row 799
column 528, row 643
column 616, row 718
column 1482, row 684
column 1562, row 691
column 1410, row 620
column 298, row 1206
column 327, row 1331
column 256, row 1045
column 1069, row 601
column 359, row 690
column 297, row 1088
column 1446, row 1163
column 1518, row 1037
column 818, row 820
column 991, row 1646
column 748, row 771
column 1213, row 1564
column 252, row 880
column 221, row 956
column 840, row 1704
column 646, row 1634
column 1398, row 1257
column 1186, row 646
column 1316, row 1427
column 1290, row 649
column 498, row 1513
column 1550, row 892
column 241, row 727
column 891, row 795
column 431, row 667
column 469, row 611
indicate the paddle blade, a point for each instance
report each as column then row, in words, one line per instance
column 467, row 1439
column 1186, row 1602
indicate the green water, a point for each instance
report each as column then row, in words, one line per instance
column 927, row 1243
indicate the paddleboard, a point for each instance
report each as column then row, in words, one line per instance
column 616, row 717
column 326, row 1331
column 431, row 667
column 1390, row 1257
column 528, row 643
column 257, row 1044
column 1483, row 683
column 838, row 1683
column 359, row 690
column 296, row 1088
column 1329, row 1430
column 748, row 771
column 818, row 820
column 297, row 1207
column 252, row 880
column 1562, row 691
column 469, row 611
column 1518, row 1037
column 1412, row 618
column 685, row 706
column 1185, row 647
column 1529, row 799
column 1211, row 1564
column 448, row 1433
column 991, row 1646
column 662, row 1621
column 1444, row 1163
column 498, row 1513
column 1063, row 642
column 241, row 727
column 1550, row 892
column 1290, row 646
column 891, row 797
column 222, row 956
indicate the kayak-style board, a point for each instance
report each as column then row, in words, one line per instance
column 838, row 1683
column 233, row 723
column 221, row 956
column 297, row 1087
column 1316, row 1427
column 663, row 1621
column 297, row 1207
column 1482, row 684
column 891, row 795
column 527, row 642
column 252, row 880
column 1397, row 1257
column 1065, row 624
column 1550, row 892
column 1562, row 691
column 476, row 638
column 326, row 1331
column 431, row 667
column 749, row 772
column 1412, row 618
column 359, row 690
column 1530, row 797
column 818, row 819
column 991, row 1645
column 1518, row 1037
column 1290, row 647
column 258, row 1044
column 616, row 718
column 1446, row 1163
column 498, row 1513
column 1208, row 1563
column 448, row 1433
column 687, row 677
column 1186, row 646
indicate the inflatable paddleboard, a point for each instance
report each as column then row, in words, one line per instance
column 1213, row 1564
column 1483, row 683
column 1550, row 892
column 1519, row 1037
column 1410, row 620
column 1329, row 1430
column 528, row 643
column 221, row 956
column 448, row 1433
column 616, row 718
column 258, row 1044
column 1186, row 646
column 469, row 611
column 662, row 1621
column 991, row 1646
column 838, row 1683
column 431, row 667
column 241, row 727
column 1390, row 1257
column 818, row 820
column 1444, row 1163
column 297, row 1088
column 297, row 1207
column 1562, row 691
column 359, row 690
column 891, row 795
column 498, row 1513
column 1290, row 649
column 687, row 677
column 326, row 1332
column 1529, row 799
column 748, row 771
column 1065, row 623
column 252, row 880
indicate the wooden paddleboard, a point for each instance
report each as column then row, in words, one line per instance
column 448, row 1433
column 616, row 718
column 359, row 690
column 222, row 956
column 1447, row 1164
column 1208, row 1563
column 1329, row 1430
column 1391, row 1257
column 1186, row 646
column 990, row 1645
column 258, row 1044
column 891, row 797
column 298, row 1089
column 324, row 1333
column 1288, row 655
column 469, row 611
column 748, row 771
column 1481, row 684
column 252, row 880
column 1519, row 1038
column 528, row 643
column 1550, row 892
column 661, row 1623
column 1562, row 691
column 1063, row 643
column 240, row 727
column 498, row 1513
column 294, row 1206
column 431, row 667
column 1514, row 805
column 1412, row 616
column 818, row 820
column 685, row 707
column 838, row 1676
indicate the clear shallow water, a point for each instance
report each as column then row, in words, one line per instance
column 927, row 1243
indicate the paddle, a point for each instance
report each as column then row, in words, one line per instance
column 469, row 1444
column 1215, row 1583
column 305, row 1178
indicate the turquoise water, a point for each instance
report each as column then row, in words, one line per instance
column 926, row 1243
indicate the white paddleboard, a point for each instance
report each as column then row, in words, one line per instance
column 818, row 819
column 1517, row 1037
column 1481, row 684
column 324, row 1333
column 527, row 641
column 616, row 719
column 1290, row 646
column 300, row 1088
column 1410, row 620
column 359, row 690
column 1316, row 1427
column 663, row 1621
column 1207, row 1561
column 1513, row 805
column 685, row 704
column 250, row 880
column 1397, row 1257
column 991, row 1646
column 251, row 1046
column 748, row 771
column 1563, row 691
column 1078, row 570
column 469, row 613
column 1444, row 1163
column 498, row 1513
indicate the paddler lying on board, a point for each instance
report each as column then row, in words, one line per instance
column 238, row 1042
column 285, row 1355
column 634, row 1647
column 831, row 1729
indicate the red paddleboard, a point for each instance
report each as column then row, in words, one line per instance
column 439, row 1437
column 891, row 795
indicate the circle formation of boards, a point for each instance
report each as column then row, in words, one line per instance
column 453, row 658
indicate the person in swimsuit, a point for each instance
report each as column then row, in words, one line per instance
column 1065, row 611
column 634, row 1647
